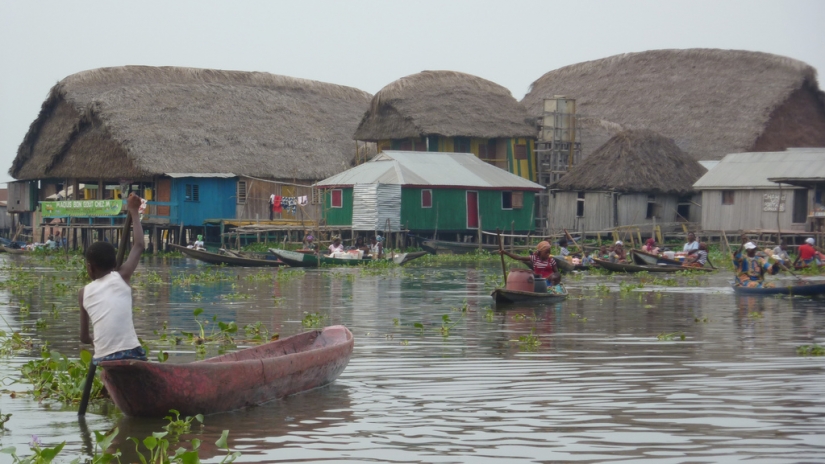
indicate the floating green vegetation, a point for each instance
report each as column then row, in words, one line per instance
column 206, row 276
column 3, row 419
column 578, row 317
column 419, row 328
column 149, row 278
column 447, row 323
column 810, row 350
column 56, row 377
column 755, row 315
column 284, row 275
column 700, row 319
column 489, row 315
column 313, row 320
column 598, row 271
column 12, row 343
column 258, row 332
column 219, row 333
column 669, row 337
column 664, row 281
column 264, row 275
column 601, row 288
column 177, row 426
column 156, row 447
column 627, row 287
column 529, row 342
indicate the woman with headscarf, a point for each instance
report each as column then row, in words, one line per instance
column 542, row 263
column 650, row 246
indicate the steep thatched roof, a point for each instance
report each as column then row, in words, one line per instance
column 711, row 102
column 136, row 121
column 635, row 161
column 444, row 103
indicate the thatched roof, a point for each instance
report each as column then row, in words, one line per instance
column 635, row 161
column 446, row 103
column 711, row 102
column 137, row 121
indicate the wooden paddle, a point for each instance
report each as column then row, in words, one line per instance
column 501, row 252
column 90, row 376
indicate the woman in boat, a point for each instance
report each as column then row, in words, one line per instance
column 376, row 248
column 691, row 244
column 542, row 263
column 309, row 242
column 336, row 246
column 619, row 254
column 650, row 246
column 751, row 269
column 697, row 258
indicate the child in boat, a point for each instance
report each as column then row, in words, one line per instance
column 587, row 259
column 697, row 258
column 107, row 300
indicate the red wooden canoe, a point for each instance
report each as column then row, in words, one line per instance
column 232, row 381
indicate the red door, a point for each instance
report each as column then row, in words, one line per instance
column 472, row 210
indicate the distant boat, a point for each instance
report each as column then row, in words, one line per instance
column 229, row 259
column 503, row 295
column 299, row 259
column 456, row 248
column 14, row 251
column 805, row 289
column 233, row 381
column 626, row 267
column 643, row 258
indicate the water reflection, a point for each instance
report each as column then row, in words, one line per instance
column 600, row 386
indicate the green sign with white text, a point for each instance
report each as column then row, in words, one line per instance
column 81, row 208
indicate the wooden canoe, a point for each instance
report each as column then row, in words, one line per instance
column 810, row 289
column 233, row 381
column 456, row 248
column 644, row 258
column 227, row 259
column 298, row 259
column 504, row 296
column 14, row 251
column 626, row 267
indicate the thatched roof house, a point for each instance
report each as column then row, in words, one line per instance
column 637, row 177
column 711, row 102
column 635, row 161
column 141, row 121
column 445, row 103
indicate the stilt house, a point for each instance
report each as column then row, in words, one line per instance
column 773, row 192
column 200, row 144
column 710, row 102
column 452, row 112
column 423, row 192
column 636, row 178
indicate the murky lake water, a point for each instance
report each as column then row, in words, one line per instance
column 599, row 387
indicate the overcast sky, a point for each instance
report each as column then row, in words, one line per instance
column 368, row 44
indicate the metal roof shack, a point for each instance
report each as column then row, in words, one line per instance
column 762, row 170
column 429, row 169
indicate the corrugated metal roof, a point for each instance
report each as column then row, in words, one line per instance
column 430, row 168
column 708, row 164
column 752, row 170
column 221, row 175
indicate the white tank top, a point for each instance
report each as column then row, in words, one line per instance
column 108, row 301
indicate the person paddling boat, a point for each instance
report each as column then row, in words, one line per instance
column 542, row 263
column 751, row 269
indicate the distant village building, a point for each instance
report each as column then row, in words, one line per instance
column 200, row 143
column 446, row 111
column 425, row 192
column 636, row 178
column 710, row 102
column 765, row 191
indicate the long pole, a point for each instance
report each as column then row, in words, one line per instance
column 501, row 252
column 90, row 376
column 570, row 237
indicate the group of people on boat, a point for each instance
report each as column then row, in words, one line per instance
column 374, row 249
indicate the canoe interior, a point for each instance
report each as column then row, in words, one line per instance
column 622, row 267
column 233, row 381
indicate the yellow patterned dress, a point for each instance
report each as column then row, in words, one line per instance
column 750, row 272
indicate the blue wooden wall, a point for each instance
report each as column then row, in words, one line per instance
column 215, row 199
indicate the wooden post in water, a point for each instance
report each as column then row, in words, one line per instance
column 479, row 232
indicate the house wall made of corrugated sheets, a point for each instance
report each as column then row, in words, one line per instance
column 374, row 204
column 748, row 211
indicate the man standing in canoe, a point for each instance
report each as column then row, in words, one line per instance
column 107, row 300
column 750, row 269
column 540, row 261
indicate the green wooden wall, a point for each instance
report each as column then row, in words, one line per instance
column 450, row 207
column 338, row 216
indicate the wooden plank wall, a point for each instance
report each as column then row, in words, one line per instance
column 257, row 200
column 747, row 211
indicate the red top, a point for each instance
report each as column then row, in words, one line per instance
column 806, row 251
column 544, row 268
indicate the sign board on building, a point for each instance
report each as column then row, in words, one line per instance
column 773, row 203
column 81, row 208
